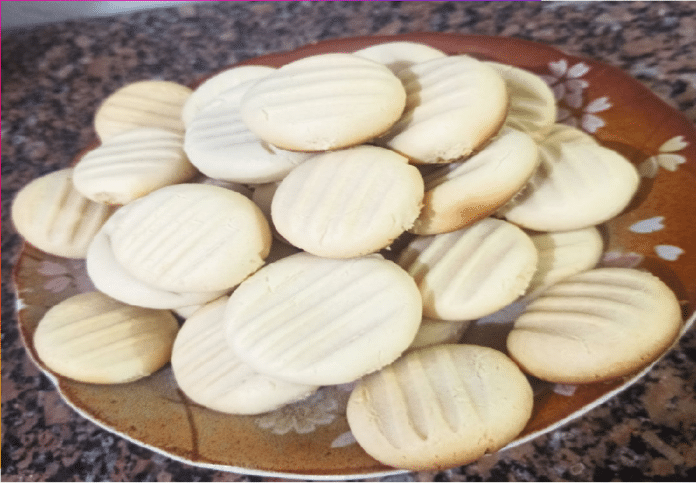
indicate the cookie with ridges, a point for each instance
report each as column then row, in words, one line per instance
column 93, row 338
column 132, row 164
column 207, row 92
column 440, row 407
column 472, row 272
column 348, row 203
column 321, row 321
column 400, row 55
column 55, row 217
column 154, row 104
column 210, row 373
column 460, row 193
column 324, row 102
column 596, row 325
column 454, row 105
column 191, row 238
column 578, row 184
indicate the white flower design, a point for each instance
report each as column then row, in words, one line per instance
column 586, row 118
column 72, row 274
column 665, row 158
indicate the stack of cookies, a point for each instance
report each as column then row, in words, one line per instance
column 343, row 219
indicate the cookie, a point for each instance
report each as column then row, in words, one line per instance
column 191, row 238
column 210, row 374
column 153, row 104
column 109, row 277
column 93, row 338
column 221, row 146
column 324, row 102
column 460, row 193
column 132, row 164
column 532, row 102
column 348, row 203
column 440, row 407
column 320, row 321
column 596, row 325
column 433, row 332
column 206, row 93
column 400, row 55
column 454, row 105
column 472, row 272
column 53, row 216
column 563, row 254
column 579, row 184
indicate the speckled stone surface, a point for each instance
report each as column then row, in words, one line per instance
column 53, row 78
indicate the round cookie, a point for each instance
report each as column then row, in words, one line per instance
column 440, row 407
column 207, row 92
column 221, row 146
column 154, row 104
column 578, row 184
column 93, row 338
column 454, row 105
column 320, row 321
column 348, row 203
column 109, row 277
column 324, row 102
column 596, row 325
column 472, row 272
column 532, row 103
column 400, row 55
column 132, row 164
column 563, row 254
column 191, row 238
column 461, row 193
column 433, row 332
column 210, row 373
column 53, row 216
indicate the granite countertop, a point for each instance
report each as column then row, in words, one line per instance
column 53, row 78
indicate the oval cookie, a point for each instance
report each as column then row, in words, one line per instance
column 210, row 373
column 322, row 321
column 348, row 203
column 56, row 218
column 191, row 238
column 324, row 102
column 154, row 104
column 91, row 337
column 132, row 164
column 454, row 105
column 472, row 272
column 596, row 325
column 440, row 407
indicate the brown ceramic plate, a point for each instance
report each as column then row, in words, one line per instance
column 311, row 439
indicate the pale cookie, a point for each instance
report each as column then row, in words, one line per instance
column 324, row 102
column 322, row 321
column 400, row 55
column 191, row 238
column 154, row 104
column 454, row 105
column 578, row 184
column 211, row 88
column 210, row 373
column 434, row 332
column 563, row 254
column 472, row 272
column 461, row 193
column 440, row 407
column 596, row 325
column 93, row 338
column 109, row 277
column 348, row 202
column 221, row 146
column 532, row 103
column 132, row 164
column 53, row 216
